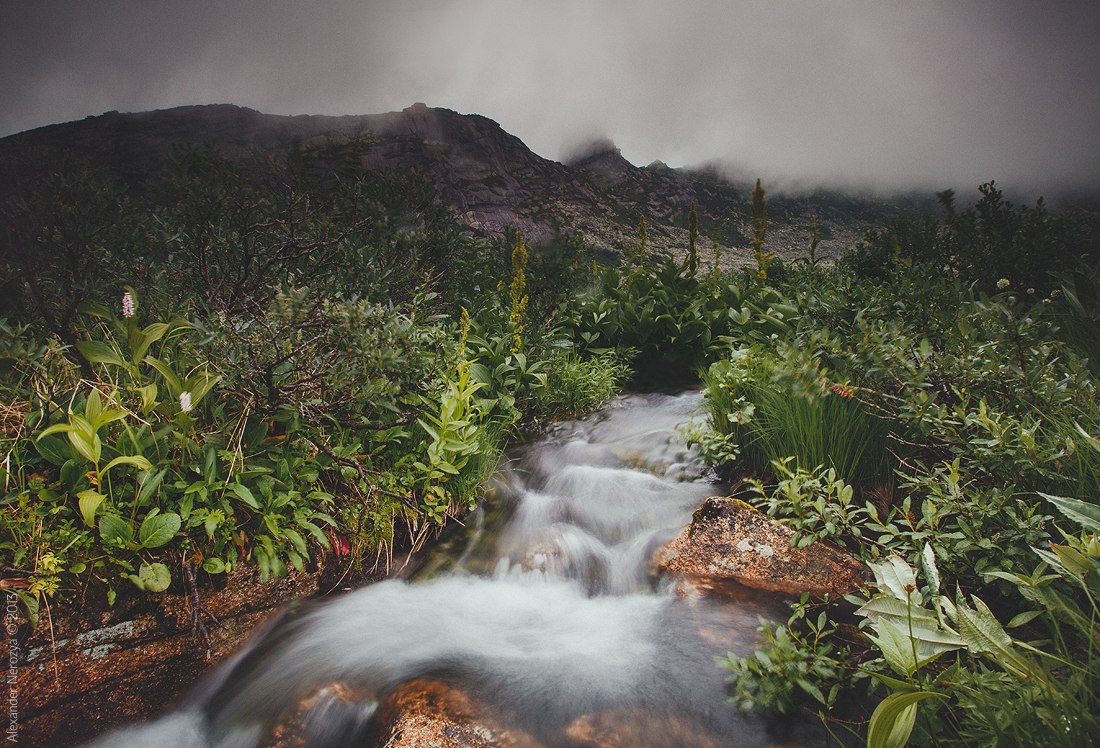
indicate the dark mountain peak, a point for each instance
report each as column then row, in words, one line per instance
column 487, row 177
column 603, row 163
column 598, row 150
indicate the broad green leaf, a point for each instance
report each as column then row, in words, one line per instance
column 169, row 376
column 984, row 635
column 99, row 352
column 213, row 565
column 897, row 649
column 153, row 577
column 57, row 428
column 1023, row 618
column 53, row 449
column 158, row 529
column 108, row 415
column 93, row 407
column 148, row 395
column 1074, row 561
column 432, row 432
column 1083, row 513
column 244, row 494
column 297, row 541
column 90, row 502
column 928, row 563
column 898, row 577
column 149, row 483
column 113, row 528
column 315, row 531
column 82, row 435
column 133, row 460
column 145, row 338
column 73, row 474
column 200, row 385
column 893, row 719
column 893, row 683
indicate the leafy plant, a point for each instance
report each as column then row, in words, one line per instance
column 82, row 431
column 796, row 664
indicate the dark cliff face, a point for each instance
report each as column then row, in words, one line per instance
column 486, row 176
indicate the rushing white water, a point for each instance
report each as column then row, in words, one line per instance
column 545, row 608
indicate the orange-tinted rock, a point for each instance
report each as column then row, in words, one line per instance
column 109, row 666
column 293, row 732
column 626, row 728
column 730, row 540
column 427, row 713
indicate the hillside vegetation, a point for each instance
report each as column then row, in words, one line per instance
column 241, row 367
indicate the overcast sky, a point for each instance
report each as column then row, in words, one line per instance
column 899, row 93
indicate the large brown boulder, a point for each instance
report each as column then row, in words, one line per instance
column 730, row 540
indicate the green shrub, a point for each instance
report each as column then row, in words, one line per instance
column 579, row 385
column 782, row 405
column 797, row 665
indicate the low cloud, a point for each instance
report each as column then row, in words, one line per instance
column 887, row 95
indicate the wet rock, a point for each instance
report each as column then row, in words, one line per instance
column 730, row 540
column 100, row 667
column 426, row 713
column 301, row 729
column 627, row 728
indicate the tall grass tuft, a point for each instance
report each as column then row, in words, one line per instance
column 778, row 405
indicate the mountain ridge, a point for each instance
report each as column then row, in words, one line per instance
column 487, row 177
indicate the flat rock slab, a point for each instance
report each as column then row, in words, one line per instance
column 102, row 669
column 731, row 540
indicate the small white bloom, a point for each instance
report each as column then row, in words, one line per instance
column 1003, row 283
column 185, row 401
column 1031, row 290
column 127, row 304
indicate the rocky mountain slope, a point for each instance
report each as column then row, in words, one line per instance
column 486, row 176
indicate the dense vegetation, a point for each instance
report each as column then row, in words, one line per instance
column 230, row 367
column 225, row 368
column 930, row 405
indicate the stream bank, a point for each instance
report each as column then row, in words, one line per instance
column 544, row 615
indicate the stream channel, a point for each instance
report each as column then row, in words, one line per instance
column 543, row 606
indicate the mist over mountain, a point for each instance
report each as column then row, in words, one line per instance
column 489, row 179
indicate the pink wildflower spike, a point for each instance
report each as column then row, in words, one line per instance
column 127, row 304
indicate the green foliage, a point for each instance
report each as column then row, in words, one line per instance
column 517, row 295
column 671, row 320
column 692, row 262
column 759, row 232
column 815, row 239
column 782, row 405
column 454, row 436
column 984, row 391
column 1077, row 312
column 580, row 385
column 816, row 504
column 289, row 386
column 980, row 245
column 797, row 665
column 1000, row 689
